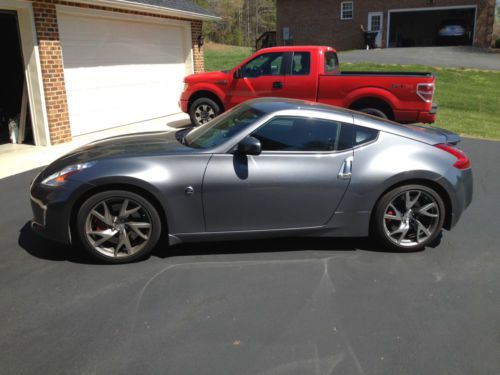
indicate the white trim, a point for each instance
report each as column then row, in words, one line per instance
column 130, row 5
column 32, row 69
column 401, row 10
column 381, row 30
column 97, row 13
column 342, row 10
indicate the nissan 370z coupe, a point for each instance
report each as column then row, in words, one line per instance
column 267, row 168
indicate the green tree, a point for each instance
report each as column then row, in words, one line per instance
column 243, row 21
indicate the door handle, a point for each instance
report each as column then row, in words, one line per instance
column 277, row 85
column 345, row 172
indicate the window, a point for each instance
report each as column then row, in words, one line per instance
column 268, row 64
column 346, row 10
column 364, row 135
column 220, row 129
column 331, row 62
column 301, row 63
column 301, row 134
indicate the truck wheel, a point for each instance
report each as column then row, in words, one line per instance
column 374, row 112
column 203, row 110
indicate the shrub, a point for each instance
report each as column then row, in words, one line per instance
column 497, row 42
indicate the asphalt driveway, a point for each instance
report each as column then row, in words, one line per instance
column 293, row 306
column 458, row 57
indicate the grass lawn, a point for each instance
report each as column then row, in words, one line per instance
column 469, row 100
column 222, row 57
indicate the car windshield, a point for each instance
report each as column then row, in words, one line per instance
column 223, row 127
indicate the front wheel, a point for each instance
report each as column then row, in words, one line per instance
column 118, row 226
column 409, row 218
column 203, row 110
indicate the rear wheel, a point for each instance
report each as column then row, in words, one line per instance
column 203, row 110
column 374, row 112
column 118, row 226
column 409, row 218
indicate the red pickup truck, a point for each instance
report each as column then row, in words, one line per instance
column 310, row 73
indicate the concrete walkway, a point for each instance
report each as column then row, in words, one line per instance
column 458, row 57
column 18, row 158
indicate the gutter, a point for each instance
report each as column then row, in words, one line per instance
column 139, row 7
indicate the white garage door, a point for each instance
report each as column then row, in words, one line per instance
column 121, row 71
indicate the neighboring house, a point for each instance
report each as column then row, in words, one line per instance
column 399, row 23
column 96, row 64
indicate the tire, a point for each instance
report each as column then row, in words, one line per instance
column 405, row 230
column 203, row 110
column 375, row 112
column 118, row 226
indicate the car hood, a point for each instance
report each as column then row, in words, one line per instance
column 140, row 144
column 211, row 77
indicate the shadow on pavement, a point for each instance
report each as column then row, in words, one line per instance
column 43, row 248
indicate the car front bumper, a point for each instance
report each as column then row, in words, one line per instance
column 52, row 209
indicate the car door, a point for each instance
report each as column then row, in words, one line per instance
column 262, row 76
column 296, row 182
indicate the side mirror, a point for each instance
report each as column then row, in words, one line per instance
column 249, row 146
column 238, row 73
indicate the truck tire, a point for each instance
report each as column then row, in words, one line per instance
column 374, row 112
column 203, row 110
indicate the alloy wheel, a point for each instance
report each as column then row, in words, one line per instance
column 204, row 113
column 118, row 227
column 411, row 218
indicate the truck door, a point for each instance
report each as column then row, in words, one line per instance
column 302, row 79
column 262, row 76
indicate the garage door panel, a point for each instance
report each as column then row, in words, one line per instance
column 119, row 72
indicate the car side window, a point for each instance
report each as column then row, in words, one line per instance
column 301, row 63
column 268, row 64
column 299, row 134
column 364, row 135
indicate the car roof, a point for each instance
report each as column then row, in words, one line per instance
column 420, row 133
column 270, row 104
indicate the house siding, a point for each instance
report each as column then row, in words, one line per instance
column 51, row 60
column 318, row 21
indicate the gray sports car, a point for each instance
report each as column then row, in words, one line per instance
column 267, row 168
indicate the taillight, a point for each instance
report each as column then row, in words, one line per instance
column 425, row 91
column 462, row 162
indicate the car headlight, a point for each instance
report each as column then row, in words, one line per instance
column 60, row 178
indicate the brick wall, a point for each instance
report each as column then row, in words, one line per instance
column 52, row 71
column 198, row 58
column 52, row 63
column 318, row 21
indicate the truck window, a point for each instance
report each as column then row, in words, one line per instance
column 268, row 64
column 299, row 134
column 331, row 62
column 301, row 63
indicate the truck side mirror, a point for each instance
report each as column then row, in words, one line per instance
column 238, row 73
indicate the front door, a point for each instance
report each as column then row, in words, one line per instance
column 293, row 183
column 262, row 76
column 375, row 23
